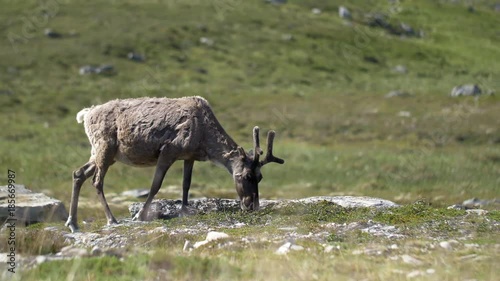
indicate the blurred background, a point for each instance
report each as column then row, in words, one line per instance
column 394, row 99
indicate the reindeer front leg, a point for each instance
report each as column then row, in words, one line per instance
column 79, row 177
column 165, row 160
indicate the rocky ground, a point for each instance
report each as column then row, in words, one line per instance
column 378, row 226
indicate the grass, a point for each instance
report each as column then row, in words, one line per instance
column 319, row 82
column 356, row 253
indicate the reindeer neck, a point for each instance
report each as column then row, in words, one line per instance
column 220, row 147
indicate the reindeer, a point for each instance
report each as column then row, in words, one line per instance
column 157, row 132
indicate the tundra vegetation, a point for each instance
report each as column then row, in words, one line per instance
column 319, row 80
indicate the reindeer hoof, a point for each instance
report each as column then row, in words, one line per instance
column 187, row 211
column 72, row 225
column 113, row 222
column 138, row 216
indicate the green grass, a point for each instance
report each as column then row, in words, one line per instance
column 159, row 255
column 335, row 130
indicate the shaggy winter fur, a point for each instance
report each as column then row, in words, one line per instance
column 160, row 131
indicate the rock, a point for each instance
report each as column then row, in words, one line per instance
column 397, row 93
column 31, row 207
column 400, row 69
column 411, row 260
column 330, row 248
column 51, row 33
column 448, row 245
column 466, row 90
column 414, row 273
column 135, row 57
column 406, row 114
column 105, row 69
column 475, row 203
column 214, row 236
column 96, row 251
column 344, row 13
column 287, row 37
column 206, row 41
column 73, row 252
column 316, row 11
column 40, row 259
column 496, row 7
column 86, row 69
column 287, row 247
column 456, row 207
column 350, row 201
column 479, row 212
column 211, row 236
column 6, row 92
column 276, row 2
column 377, row 20
column 136, row 193
column 167, row 208
column 407, row 29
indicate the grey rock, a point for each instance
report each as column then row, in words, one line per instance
column 476, row 203
column 136, row 193
column 31, row 207
column 166, row 208
column 287, row 247
column 351, row 201
column 400, row 69
column 276, row 2
column 316, row 11
column 211, row 236
column 397, row 93
column 287, row 37
column 96, row 251
column 207, row 41
column 73, row 252
column 407, row 29
column 51, row 33
column 136, row 57
column 411, row 260
column 87, row 69
column 466, row 90
column 12, row 70
column 377, row 20
column 344, row 13
column 479, row 212
column 448, row 245
column 456, row 207
column 105, row 69
column 6, row 92
column 41, row 259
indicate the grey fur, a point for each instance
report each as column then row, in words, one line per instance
column 157, row 132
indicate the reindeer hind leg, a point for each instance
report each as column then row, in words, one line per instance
column 104, row 159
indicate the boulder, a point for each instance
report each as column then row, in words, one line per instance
column 167, row 208
column 104, row 69
column 466, row 90
column 397, row 93
column 51, row 33
column 30, row 207
column 344, row 13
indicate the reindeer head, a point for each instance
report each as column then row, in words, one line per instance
column 247, row 173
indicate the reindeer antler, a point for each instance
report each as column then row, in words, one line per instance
column 256, row 145
column 269, row 155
